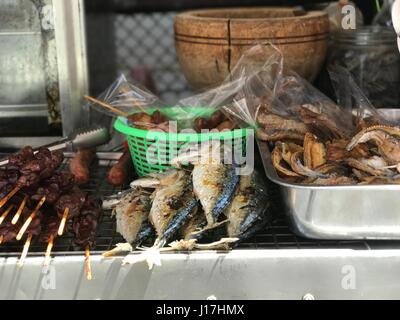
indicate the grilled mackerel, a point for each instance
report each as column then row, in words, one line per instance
column 249, row 209
column 214, row 185
column 132, row 214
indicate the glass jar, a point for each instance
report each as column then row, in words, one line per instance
column 371, row 55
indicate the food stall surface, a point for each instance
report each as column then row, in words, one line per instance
column 273, row 264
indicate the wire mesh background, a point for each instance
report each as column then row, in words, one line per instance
column 276, row 235
column 132, row 41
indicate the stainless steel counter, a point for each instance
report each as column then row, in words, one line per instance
column 240, row 274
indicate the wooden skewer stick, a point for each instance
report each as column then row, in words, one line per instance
column 29, row 220
column 63, row 221
column 19, row 211
column 87, row 264
column 113, row 109
column 5, row 213
column 47, row 256
column 25, row 251
column 106, row 105
column 1, row 239
column 9, row 196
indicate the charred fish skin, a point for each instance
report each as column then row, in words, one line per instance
column 172, row 206
column 230, row 185
column 249, row 210
column 146, row 232
column 178, row 221
column 131, row 212
column 194, row 224
column 214, row 185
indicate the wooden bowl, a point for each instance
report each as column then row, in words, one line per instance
column 210, row 42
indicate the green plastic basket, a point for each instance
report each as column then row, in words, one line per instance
column 152, row 151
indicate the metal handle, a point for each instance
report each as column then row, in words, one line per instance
column 83, row 140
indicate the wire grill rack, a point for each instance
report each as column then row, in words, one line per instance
column 276, row 235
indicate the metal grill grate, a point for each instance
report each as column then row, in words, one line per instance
column 277, row 235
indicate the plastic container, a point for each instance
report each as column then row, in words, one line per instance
column 153, row 151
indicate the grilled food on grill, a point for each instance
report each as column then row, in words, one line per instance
column 132, row 214
column 249, row 209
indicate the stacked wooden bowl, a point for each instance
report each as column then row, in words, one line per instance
column 210, row 42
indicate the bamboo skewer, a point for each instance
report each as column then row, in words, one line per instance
column 5, row 213
column 9, row 196
column 47, row 256
column 87, row 264
column 63, row 221
column 19, row 211
column 113, row 109
column 106, row 105
column 29, row 220
column 25, row 251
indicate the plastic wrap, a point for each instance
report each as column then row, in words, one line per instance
column 144, row 110
column 351, row 97
column 271, row 99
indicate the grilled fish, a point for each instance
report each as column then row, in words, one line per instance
column 214, row 185
column 132, row 216
column 173, row 204
column 194, row 224
column 248, row 211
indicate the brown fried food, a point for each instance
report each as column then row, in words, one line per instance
column 276, row 158
column 314, row 151
column 333, row 168
column 140, row 120
column 386, row 138
column 334, row 181
column 370, row 166
column 336, row 150
column 298, row 167
column 279, row 136
column 320, row 121
column 226, row 125
column 288, row 148
column 275, row 128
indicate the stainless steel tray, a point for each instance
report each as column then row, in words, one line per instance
column 339, row 212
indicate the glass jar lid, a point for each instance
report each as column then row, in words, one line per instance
column 371, row 35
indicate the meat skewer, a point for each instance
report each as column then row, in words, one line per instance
column 19, row 211
column 36, row 176
column 9, row 196
column 5, row 213
column 25, row 251
column 85, row 227
column 30, row 219
column 48, row 235
column 47, row 256
column 63, row 221
column 88, row 267
column 8, row 232
column 40, row 166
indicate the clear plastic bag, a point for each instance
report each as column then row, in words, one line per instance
column 350, row 96
column 272, row 99
column 144, row 110
column 141, row 107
